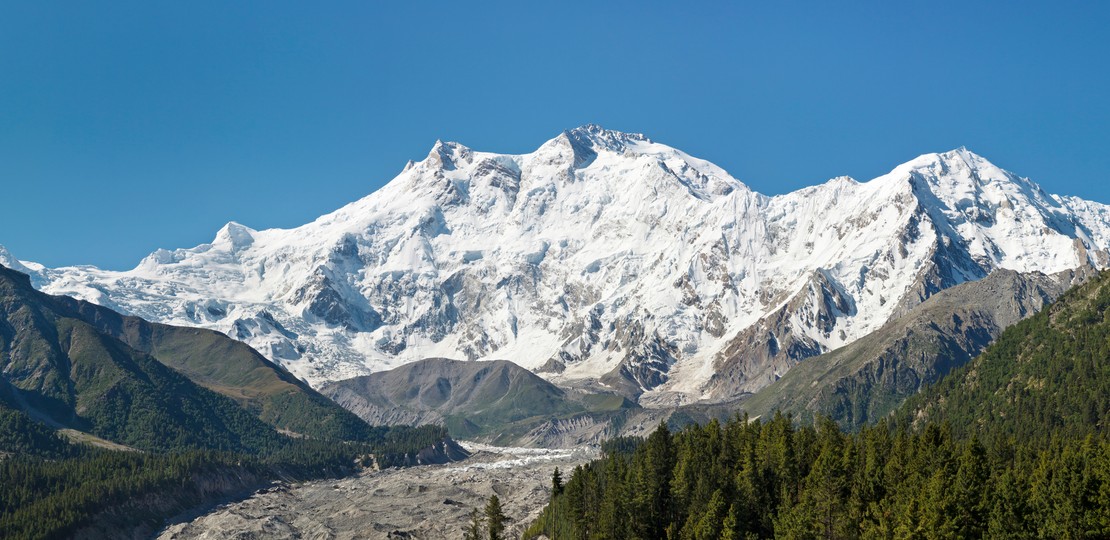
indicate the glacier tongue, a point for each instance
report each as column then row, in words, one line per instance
column 603, row 256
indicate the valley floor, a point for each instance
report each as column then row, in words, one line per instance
column 431, row 501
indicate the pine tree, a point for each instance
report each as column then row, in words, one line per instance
column 730, row 527
column 473, row 530
column 495, row 518
column 556, row 484
column 709, row 526
column 575, row 509
column 970, row 490
column 652, row 499
column 612, row 517
column 1009, row 517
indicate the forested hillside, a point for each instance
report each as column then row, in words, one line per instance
column 228, row 367
column 79, row 490
column 1047, row 376
column 178, row 439
column 62, row 371
column 1012, row 445
column 60, row 354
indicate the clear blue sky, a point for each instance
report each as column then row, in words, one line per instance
column 129, row 126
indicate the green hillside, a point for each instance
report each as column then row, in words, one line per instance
column 42, row 332
column 61, row 370
column 1047, row 376
column 228, row 367
column 144, row 442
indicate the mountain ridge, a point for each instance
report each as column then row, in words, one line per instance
column 1044, row 377
column 604, row 256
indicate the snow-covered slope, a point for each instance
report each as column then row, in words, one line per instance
column 603, row 255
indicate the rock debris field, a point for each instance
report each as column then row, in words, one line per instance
column 426, row 502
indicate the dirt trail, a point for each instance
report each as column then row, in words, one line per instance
column 427, row 502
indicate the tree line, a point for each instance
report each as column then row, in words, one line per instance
column 774, row 479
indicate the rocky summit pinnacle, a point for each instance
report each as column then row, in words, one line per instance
column 595, row 137
column 607, row 257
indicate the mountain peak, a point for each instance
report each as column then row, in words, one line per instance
column 447, row 155
column 235, row 236
column 961, row 177
column 965, row 173
column 971, row 159
column 952, row 161
column 582, row 144
column 9, row 260
column 595, row 137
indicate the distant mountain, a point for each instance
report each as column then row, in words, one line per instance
column 860, row 383
column 605, row 257
column 72, row 364
column 497, row 401
column 1045, row 377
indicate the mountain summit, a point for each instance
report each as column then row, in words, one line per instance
column 604, row 256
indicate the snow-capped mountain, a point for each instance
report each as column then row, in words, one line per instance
column 602, row 255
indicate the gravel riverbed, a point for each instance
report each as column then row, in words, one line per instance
column 425, row 502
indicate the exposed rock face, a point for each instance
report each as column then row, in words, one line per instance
column 380, row 414
column 763, row 352
column 447, row 451
column 865, row 380
column 569, row 432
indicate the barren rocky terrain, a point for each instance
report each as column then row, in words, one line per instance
column 431, row 501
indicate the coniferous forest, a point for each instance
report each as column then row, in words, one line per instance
column 1012, row 445
column 56, row 489
column 763, row 479
column 172, row 443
